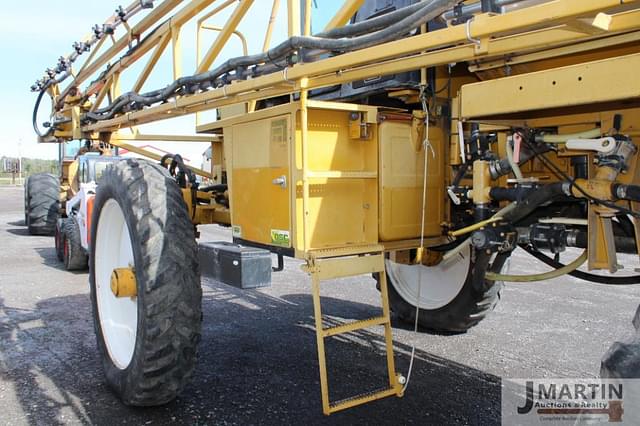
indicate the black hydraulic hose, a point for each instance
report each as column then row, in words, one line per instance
column 428, row 11
column 422, row 15
column 626, row 192
column 510, row 194
column 580, row 239
column 535, row 199
column 34, row 119
column 179, row 170
column 373, row 24
column 450, row 245
column 598, row 279
column 214, row 188
column 425, row 13
column 462, row 170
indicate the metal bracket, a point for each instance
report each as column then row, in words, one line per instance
column 280, row 266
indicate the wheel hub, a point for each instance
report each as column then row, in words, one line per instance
column 123, row 282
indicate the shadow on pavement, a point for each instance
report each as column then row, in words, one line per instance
column 49, row 258
column 22, row 232
column 257, row 364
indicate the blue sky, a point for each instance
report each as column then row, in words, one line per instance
column 35, row 33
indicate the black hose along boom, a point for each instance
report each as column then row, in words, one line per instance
column 352, row 37
column 339, row 40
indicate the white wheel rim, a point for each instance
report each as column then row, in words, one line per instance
column 438, row 285
column 118, row 316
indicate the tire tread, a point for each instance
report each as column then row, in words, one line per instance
column 76, row 257
column 465, row 311
column 42, row 203
column 168, row 274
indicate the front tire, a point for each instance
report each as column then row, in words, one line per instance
column 42, row 203
column 73, row 254
column 148, row 342
column 449, row 299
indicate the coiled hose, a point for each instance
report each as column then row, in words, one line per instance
column 34, row 117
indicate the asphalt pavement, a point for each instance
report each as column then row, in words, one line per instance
column 257, row 358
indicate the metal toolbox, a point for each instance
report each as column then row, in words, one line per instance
column 235, row 265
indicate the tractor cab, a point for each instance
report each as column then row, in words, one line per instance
column 80, row 164
column 78, row 209
column 92, row 165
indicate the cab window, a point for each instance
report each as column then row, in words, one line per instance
column 100, row 167
column 71, row 149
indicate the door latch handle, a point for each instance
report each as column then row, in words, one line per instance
column 280, row 181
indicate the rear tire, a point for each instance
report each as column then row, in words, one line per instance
column 26, row 202
column 622, row 360
column 74, row 256
column 147, row 343
column 59, row 239
column 42, row 203
column 449, row 300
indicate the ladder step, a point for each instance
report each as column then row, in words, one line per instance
column 343, row 404
column 346, row 262
column 349, row 267
column 352, row 326
column 349, row 250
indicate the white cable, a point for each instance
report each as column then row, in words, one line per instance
column 426, row 146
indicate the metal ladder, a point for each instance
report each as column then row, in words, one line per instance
column 348, row 262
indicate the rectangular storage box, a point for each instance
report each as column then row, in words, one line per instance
column 235, row 265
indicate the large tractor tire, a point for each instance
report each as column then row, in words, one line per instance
column 73, row 255
column 622, row 360
column 449, row 299
column 147, row 341
column 42, row 203
column 26, row 201
column 59, row 239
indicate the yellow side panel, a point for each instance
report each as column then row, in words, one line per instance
column 331, row 146
column 259, row 208
column 401, row 183
column 342, row 211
